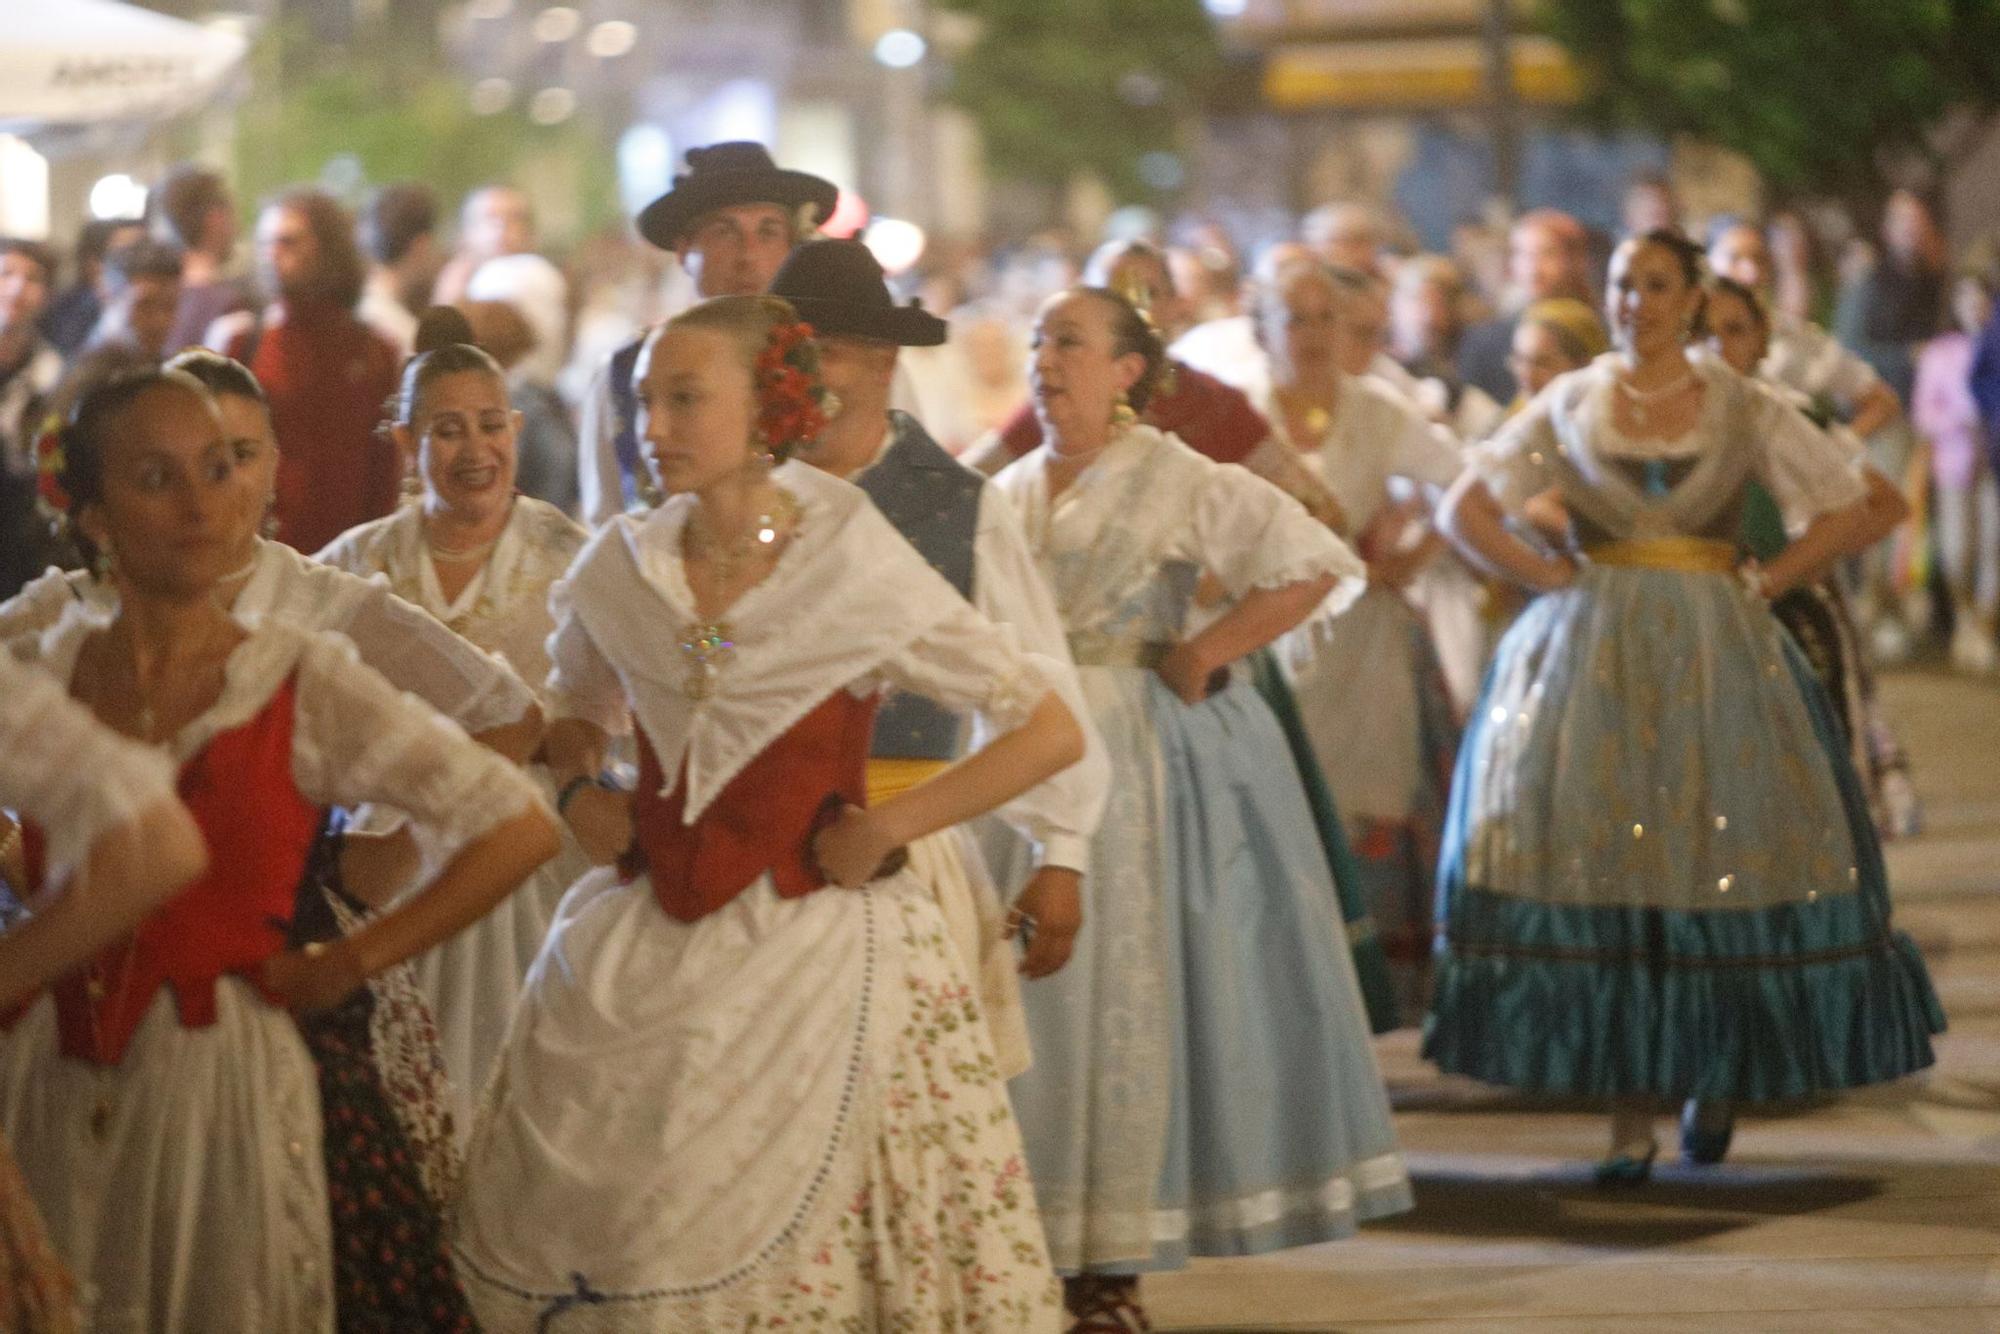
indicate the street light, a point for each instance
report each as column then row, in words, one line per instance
column 611, row 39
column 558, row 23
column 552, row 106
column 899, row 48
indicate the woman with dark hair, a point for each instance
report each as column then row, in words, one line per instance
column 167, row 1076
column 326, row 372
column 748, row 1085
column 480, row 558
column 1203, row 1080
column 1659, row 880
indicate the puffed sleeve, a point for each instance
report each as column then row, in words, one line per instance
column 969, row 665
column 66, row 771
column 40, row 603
column 1423, row 452
column 1251, row 535
column 582, row 683
column 360, row 740
column 1061, row 813
column 420, row 654
column 1807, row 470
column 1515, row 463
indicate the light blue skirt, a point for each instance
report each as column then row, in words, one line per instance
column 1203, row 1082
column 1648, row 745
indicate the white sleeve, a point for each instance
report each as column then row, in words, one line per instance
column 582, row 683
column 1849, row 378
column 1516, row 464
column 1251, row 535
column 1424, row 452
column 969, row 665
column 40, row 604
column 360, row 740
column 601, row 492
column 1808, row 471
column 1061, row 812
column 70, row 774
column 420, row 654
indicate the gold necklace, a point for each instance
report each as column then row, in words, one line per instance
column 725, row 560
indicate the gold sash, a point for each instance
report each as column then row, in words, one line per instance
column 888, row 777
column 1689, row 555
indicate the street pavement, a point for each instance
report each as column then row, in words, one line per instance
column 1878, row 1211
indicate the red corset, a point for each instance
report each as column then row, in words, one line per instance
column 763, row 820
column 259, row 831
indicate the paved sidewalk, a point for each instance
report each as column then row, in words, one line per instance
column 1879, row 1211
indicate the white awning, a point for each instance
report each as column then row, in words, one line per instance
column 68, row 63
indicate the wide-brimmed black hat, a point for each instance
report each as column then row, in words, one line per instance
column 725, row 174
column 837, row 288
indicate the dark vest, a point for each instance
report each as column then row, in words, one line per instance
column 625, row 406
column 933, row 501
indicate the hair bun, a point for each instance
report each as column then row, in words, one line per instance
column 441, row 326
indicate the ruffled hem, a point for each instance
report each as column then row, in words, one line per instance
column 1752, row 1006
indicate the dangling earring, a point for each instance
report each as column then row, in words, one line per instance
column 106, row 564
column 268, row 529
column 1122, row 413
column 763, row 458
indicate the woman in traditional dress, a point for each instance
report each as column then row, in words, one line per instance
column 1203, row 1078
column 1654, row 884
column 1737, row 329
column 127, row 843
column 1370, row 691
column 163, row 1102
column 480, row 558
column 734, row 1091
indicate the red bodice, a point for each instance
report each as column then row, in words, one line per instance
column 762, row 820
column 260, row 831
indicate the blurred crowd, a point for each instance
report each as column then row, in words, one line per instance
column 1882, row 328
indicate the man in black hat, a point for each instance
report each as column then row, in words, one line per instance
column 970, row 535
column 731, row 218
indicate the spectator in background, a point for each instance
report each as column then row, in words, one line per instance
column 1898, row 302
column 496, row 261
column 1650, row 205
column 142, row 289
column 545, row 446
column 73, row 313
column 193, row 208
column 1346, row 236
column 1968, row 502
column 494, row 220
column 1426, row 323
column 326, row 373
column 1794, row 266
column 1548, row 255
column 397, row 231
column 29, row 369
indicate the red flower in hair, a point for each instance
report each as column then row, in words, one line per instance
column 49, row 465
column 788, row 389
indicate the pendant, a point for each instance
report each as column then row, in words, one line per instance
column 706, row 648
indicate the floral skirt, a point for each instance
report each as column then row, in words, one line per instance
column 786, row 1114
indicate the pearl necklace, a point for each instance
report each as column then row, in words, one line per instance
column 1643, row 400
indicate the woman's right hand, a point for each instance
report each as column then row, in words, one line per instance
column 601, row 819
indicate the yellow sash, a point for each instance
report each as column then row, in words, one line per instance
column 886, row 778
column 1689, row 555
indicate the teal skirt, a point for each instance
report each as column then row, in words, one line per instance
column 1606, row 992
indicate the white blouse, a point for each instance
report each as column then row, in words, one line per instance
column 1372, row 436
column 1125, row 542
column 505, row 608
column 850, row 605
column 66, row 771
column 475, row 689
column 355, row 737
column 1807, row 471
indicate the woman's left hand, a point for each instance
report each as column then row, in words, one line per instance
column 1187, row 673
column 318, row 977
column 1051, row 909
column 852, row 847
